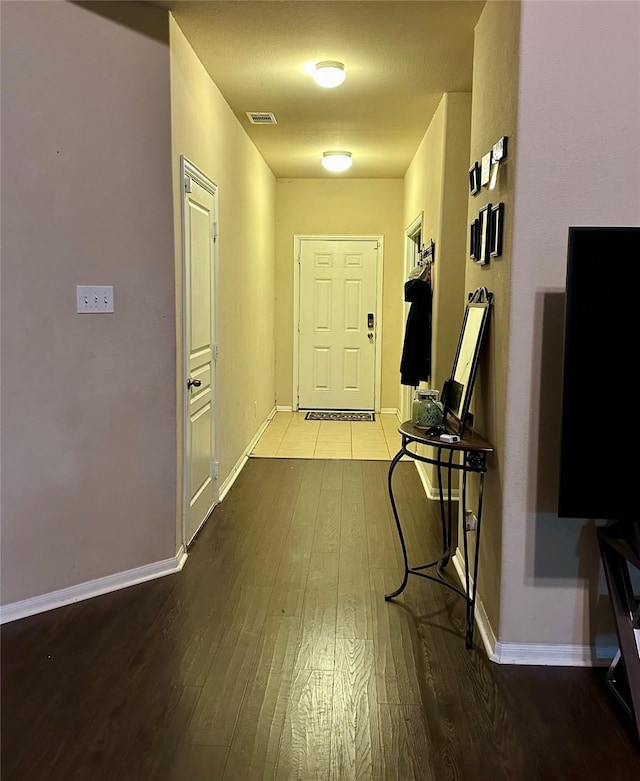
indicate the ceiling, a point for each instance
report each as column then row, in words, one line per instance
column 399, row 58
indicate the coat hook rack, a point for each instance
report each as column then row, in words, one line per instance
column 427, row 254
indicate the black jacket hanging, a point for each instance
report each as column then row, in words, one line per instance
column 416, row 353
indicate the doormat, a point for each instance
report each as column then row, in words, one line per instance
column 352, row 417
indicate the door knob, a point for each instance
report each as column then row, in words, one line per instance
column 370, row 336
column 195, row 383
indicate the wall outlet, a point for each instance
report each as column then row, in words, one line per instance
column 94, row 299
column 470, row 521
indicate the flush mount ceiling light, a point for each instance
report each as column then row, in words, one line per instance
column 329, row 73
column 337, row 161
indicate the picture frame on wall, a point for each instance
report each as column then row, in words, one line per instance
column 474, row 178
column 473, row 239
column 484, row 235
column 497, row 229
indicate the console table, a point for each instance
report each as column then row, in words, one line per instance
column 469, row 455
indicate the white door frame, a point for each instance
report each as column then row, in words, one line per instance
column 412, row 230
column 189, row 170
column 297, row 248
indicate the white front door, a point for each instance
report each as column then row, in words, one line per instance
column 200, row 478
column 337, row 323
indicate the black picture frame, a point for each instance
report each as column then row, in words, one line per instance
column 474, row 178
column 497, row 229
column 484, row 235
column 473, row 239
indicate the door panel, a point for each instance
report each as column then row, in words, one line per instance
column 200, row 482
column 337, row 355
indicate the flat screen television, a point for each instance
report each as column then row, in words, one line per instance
column 599, row 468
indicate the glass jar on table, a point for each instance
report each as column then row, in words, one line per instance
column 426, row 411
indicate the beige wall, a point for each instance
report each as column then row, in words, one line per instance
column 494, row 105
column 88, row 401
column 436, row 184
column 350, row 206
column 208, row 134
column 577, row 162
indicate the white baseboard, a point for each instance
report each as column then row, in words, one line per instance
column 429, row 489
column 233, row 475
column 284, row 408
column 554, row 655
column 92, row 588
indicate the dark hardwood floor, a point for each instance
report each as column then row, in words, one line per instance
column 273, row 655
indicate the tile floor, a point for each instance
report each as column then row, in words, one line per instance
column 289, row 435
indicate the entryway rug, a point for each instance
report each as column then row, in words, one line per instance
column 352, row 417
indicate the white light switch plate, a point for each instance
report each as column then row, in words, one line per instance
column 93, row 299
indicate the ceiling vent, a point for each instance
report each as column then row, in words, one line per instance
column 262, row 118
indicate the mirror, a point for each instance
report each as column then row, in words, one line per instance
column 458, row 389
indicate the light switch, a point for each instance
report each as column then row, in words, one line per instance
column 94, row 299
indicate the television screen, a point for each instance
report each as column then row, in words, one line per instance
column 600, row 392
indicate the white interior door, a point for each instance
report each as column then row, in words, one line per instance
column 337, row 324
column 199, row 236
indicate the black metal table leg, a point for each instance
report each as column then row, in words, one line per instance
column 394, row 463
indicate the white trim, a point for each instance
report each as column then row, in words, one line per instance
column 187, row 168
column 297, row 250
column 284, row 408
column 233, row 475
column 270, row 416
column 390, row 411
column 554, row 655
column 429, row 489
column 92, row 588
column 377, row 397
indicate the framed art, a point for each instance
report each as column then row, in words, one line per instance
column 485, row 169
column 474, row 178
column 484, row 235
column 497, row 228
column 499, row 151
column 473, row 240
